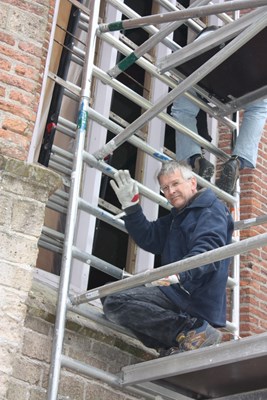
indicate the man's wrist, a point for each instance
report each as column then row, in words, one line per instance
column 132, row 209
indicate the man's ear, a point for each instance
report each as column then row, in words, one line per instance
column 194, row 182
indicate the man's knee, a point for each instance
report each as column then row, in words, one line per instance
column 109, row 303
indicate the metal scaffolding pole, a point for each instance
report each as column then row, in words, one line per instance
column 171, row 79
column 171, row 7
column 151, row 29
column 213, row 39
column 208, row 42
column 148, row 44
column 149, row 391
column 183, row 14
column 73, row 205
column 140, row 144
column 194, row 78
column 187, row 264
column 110, row 171
column 115, row 381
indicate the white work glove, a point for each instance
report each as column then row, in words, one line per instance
column 125, row 188
column 169, row 280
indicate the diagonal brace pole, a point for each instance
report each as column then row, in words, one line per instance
column 148, row 44
column 214, row 38
column 183, row 14
column 194, row 78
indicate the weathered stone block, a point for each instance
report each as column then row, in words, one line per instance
column 27, row 370
column 28, row 25
column 7, row 353
column 99, row 391
column 27, row 217
column 38, row 394
column 16, row 276
column 37, row 346
column 17, row 391
column 5, row 209
column 72, row 386
column 18, row 248
column 3, row 385
column 37, row 325
column 10, row 329
column 3, row 15
column 30, row 175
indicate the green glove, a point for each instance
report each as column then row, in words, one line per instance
column 125, row 188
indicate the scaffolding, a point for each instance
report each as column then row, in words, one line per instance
column 155, row 378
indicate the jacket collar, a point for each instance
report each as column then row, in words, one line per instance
column 202, row 199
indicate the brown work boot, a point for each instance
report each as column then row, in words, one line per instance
column 229, row 175
column 203, row 336
column 200, row 337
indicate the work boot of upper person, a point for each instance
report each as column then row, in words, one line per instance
column 203, row 336
column 229, row 175
column 203, row 168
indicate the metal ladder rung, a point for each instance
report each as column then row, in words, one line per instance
column 59, row 168
column 55, row 207
column 80, row 6
column 74, row 89
column 97, row 263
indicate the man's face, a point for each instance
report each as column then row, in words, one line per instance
column 177, row 190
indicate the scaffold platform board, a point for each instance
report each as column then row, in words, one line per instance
column 227, row 369
column 242, row 73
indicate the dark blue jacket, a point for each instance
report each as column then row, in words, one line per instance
column 205, row 224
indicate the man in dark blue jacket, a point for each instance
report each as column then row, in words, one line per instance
column 183, row 311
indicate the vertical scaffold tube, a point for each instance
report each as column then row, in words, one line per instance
column 61, row 311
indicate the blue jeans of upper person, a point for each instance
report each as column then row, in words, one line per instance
column 149, row 314
column 246, row 147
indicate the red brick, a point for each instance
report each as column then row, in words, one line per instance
column 30, row 48
column 13, row 145
column 27, row 72
column 22, row 97
column 2, row 91
column 6, row 38
column 19, row 82
column 13, row 109
column 20, row 56
column 15, row 125
column 5, row 64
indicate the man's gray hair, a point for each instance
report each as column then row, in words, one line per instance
column 170, row 167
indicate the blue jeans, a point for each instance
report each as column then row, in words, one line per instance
column 149, row 314
column 247, row 142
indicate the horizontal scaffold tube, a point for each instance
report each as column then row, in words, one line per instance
column 215, row 38
column 196, row 12
column 149, row 43
column 108, row 170
column 173, row 268
column 107, row 377
column 157, row 155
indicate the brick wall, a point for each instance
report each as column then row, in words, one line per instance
column 24, row 34
column 26, row 344
column 253, row 305
column 253, row 275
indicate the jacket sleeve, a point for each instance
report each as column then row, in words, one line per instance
column 213, row 229
column 149, row 235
